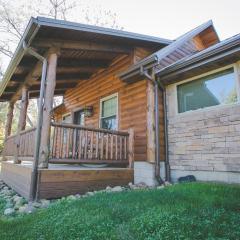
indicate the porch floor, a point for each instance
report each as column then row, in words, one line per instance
column 63, row 179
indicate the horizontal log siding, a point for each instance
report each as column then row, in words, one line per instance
column 131, row 99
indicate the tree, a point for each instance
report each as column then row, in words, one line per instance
column 12, row 25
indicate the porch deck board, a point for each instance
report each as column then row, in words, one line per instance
column 62, row 179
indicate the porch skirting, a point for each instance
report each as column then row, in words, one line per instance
column 63, row 180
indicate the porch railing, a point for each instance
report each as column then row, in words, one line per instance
column 76, row 144
column 25, row 141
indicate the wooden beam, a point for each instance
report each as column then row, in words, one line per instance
column 61, row 85
column 58, row 92
column 89, row 69
column 81, row 45
column 47, row 110
column 75, row 62
column 76, row 75
column 31, row 77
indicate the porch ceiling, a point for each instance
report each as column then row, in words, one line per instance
column 84, row 50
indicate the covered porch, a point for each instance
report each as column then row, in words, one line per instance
column 79, row 159
column 56, row 159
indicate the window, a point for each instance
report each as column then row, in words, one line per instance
column 109, row 108
column 215, row 89
column 66, row 118
column 79, row 117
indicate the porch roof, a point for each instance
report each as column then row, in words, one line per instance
column 84, row 49
column 187, row 44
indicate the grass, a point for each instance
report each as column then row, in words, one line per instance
column 186, row 211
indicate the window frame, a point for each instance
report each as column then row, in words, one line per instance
column 236, row 72
column 105, row 99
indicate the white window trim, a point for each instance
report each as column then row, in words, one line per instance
column 235, row 66
column 104, row 99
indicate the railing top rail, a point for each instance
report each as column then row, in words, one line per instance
column 22, row 132
column 74, row 126
column 28, row 130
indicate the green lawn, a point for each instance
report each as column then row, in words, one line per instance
column 186, row 211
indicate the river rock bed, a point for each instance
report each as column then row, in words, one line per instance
column 15, row 204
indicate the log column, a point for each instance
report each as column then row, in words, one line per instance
column 8, row 127
column 151, row 145
column 47, row 110
column 22, row 121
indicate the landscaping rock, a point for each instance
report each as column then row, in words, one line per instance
column 9, row 211
column 167, row 183
column 117, row 189
column 90, row 193
column 22, row 209
column 45, row 203
column 71, row 197
column 37, row 204
column 30, row 208
column 78, row 196
column 27, row 208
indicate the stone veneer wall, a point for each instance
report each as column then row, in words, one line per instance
column 205, row 143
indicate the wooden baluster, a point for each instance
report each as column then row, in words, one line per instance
column 102, row 145
column 111, row 147
column 62, row 142
column 120, row 138
column 97, row 143
column 86, row 145
column 91, row 145
column 74, row 134
column 116, row 148
column 66, row 142
column 125, row 148
column 80, row 145
column 53, row 142
column 106, row 156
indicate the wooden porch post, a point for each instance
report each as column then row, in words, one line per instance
column 47, row 109
column 131, row 147
column 8, row 127
column 151, row 146
column 22, row 121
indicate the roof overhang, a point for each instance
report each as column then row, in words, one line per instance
column 135, row 72
column 217, row 56
column 84, row 50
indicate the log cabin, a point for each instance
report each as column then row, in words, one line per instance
column 135, row 108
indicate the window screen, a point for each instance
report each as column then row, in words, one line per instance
column 215, row 89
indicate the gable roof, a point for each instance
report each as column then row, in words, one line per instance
column 182, row 44
column 216, row 56
column 42, row 33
